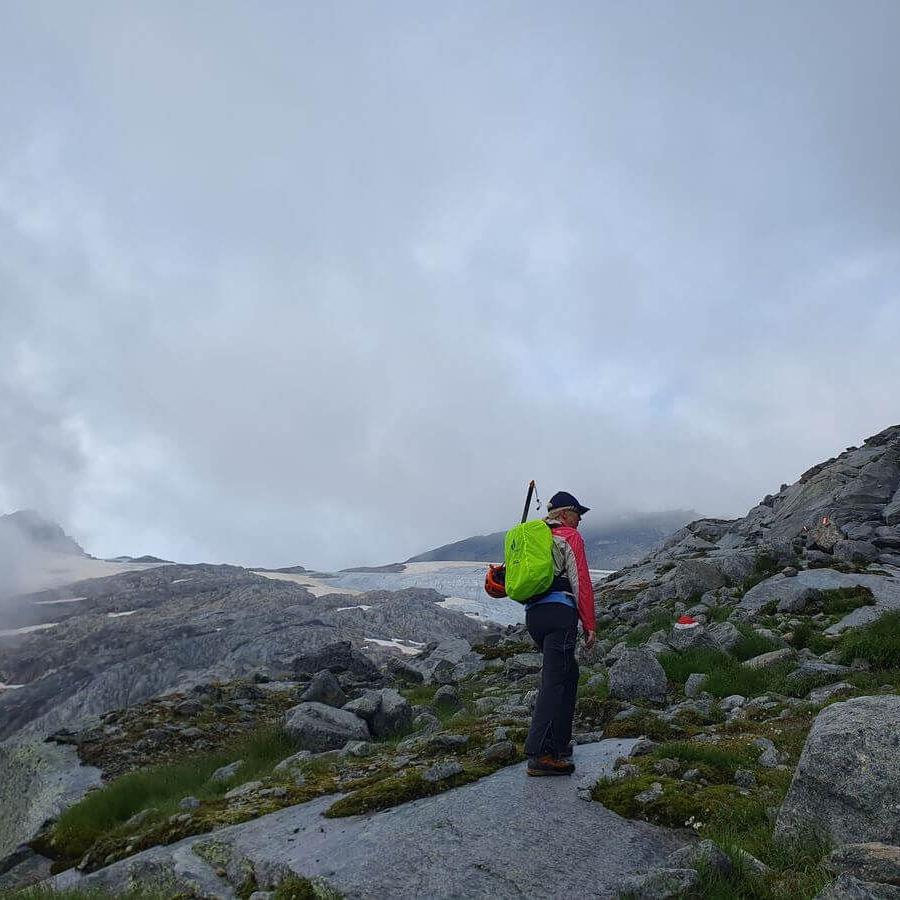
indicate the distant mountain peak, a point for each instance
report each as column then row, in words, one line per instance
column 40, row 532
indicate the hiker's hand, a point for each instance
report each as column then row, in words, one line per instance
column 589, row 639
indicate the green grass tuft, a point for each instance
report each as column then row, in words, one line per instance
column 878, row 643
column 841, row 601
column 161, row 787
column 726, row 674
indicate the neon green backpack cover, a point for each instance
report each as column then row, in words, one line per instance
column 528, row 555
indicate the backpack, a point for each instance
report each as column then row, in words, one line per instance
column 528, row 556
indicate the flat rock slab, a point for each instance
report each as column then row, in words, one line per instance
column 506, row 836
column 885, row 589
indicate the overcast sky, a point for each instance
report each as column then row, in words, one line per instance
column 327, row 283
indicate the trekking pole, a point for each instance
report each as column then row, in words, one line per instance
column 528, row 500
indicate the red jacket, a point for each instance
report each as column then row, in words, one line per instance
column 569, row 559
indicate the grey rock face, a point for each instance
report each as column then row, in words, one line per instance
column 868, row 862
column 316, row 727
column 337, row 657
column 847, row 887
column 443, row 770
column 226, row 773
column 637, row 675
column 697, row 576
column 324, row 688
column 847, row 783
column 695, row 683
column 387, row 712
column 770, row 659
column 707, row 854
column 696, row 638
column 859, row 552
column 660, row 884
column 891, row 512
column 725, row 636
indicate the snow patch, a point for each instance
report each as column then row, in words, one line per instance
column 344, row 608
column 54, row 602
column 410, row 647
column 179, row 580
column 27, row 629
column 10, row 687
column 118, row 615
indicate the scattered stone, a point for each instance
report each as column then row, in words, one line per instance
column 823, row 694
column 226, row 773
column 243, row 790
column 695, row 684
column 637, row 675
column 660, row 884
column 324, row 688
column 502, row 751
column 358, row 749
column 789, row 572
column 695, row 638
column 443, row 770
column 725, row 636
column 596, row 682
column 189, row 803
column 816, row 668
column 447, row 697
column 705, row 855
column 447, row 741
column 524, row 664
column 847, row 783
column 653, row 793
column 733, row 701
column 770, row 659
column 317, row 727
column 744, row 778
column 139, row 818
column 292, row 761
column 856, row 552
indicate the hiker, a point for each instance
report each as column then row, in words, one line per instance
column 552, row 622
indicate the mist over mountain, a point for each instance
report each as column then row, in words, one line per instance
column 31, row 527
column 611, row 541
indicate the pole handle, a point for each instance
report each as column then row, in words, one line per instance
column 528, row 501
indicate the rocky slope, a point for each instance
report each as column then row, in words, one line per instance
column 134, row 635
column 611, row 543
column 30, row 527
column 766, row 725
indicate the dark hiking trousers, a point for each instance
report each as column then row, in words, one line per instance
column 554, row 627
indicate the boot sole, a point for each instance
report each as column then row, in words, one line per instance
column 541, row 772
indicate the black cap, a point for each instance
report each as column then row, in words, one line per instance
column 563, row 499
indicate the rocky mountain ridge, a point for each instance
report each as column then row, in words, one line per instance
column 38, row 532
column 611, row 543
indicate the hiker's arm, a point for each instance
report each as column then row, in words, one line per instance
column 580, row 578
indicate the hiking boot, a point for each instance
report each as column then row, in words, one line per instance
column 568, row 752
column 549, row 765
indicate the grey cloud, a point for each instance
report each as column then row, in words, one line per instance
column 328, row 285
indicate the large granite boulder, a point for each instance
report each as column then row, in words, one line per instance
column 447, row 662
column 694, row 577
column 857, row 552
column 637, row 675
column 317, row 727
column 324, row 688
column 847, row 783
column 338, row 658
column 695, row 637
column 386, row 712
column 725, row 636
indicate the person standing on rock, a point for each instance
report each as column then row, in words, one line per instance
column 552, row 621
